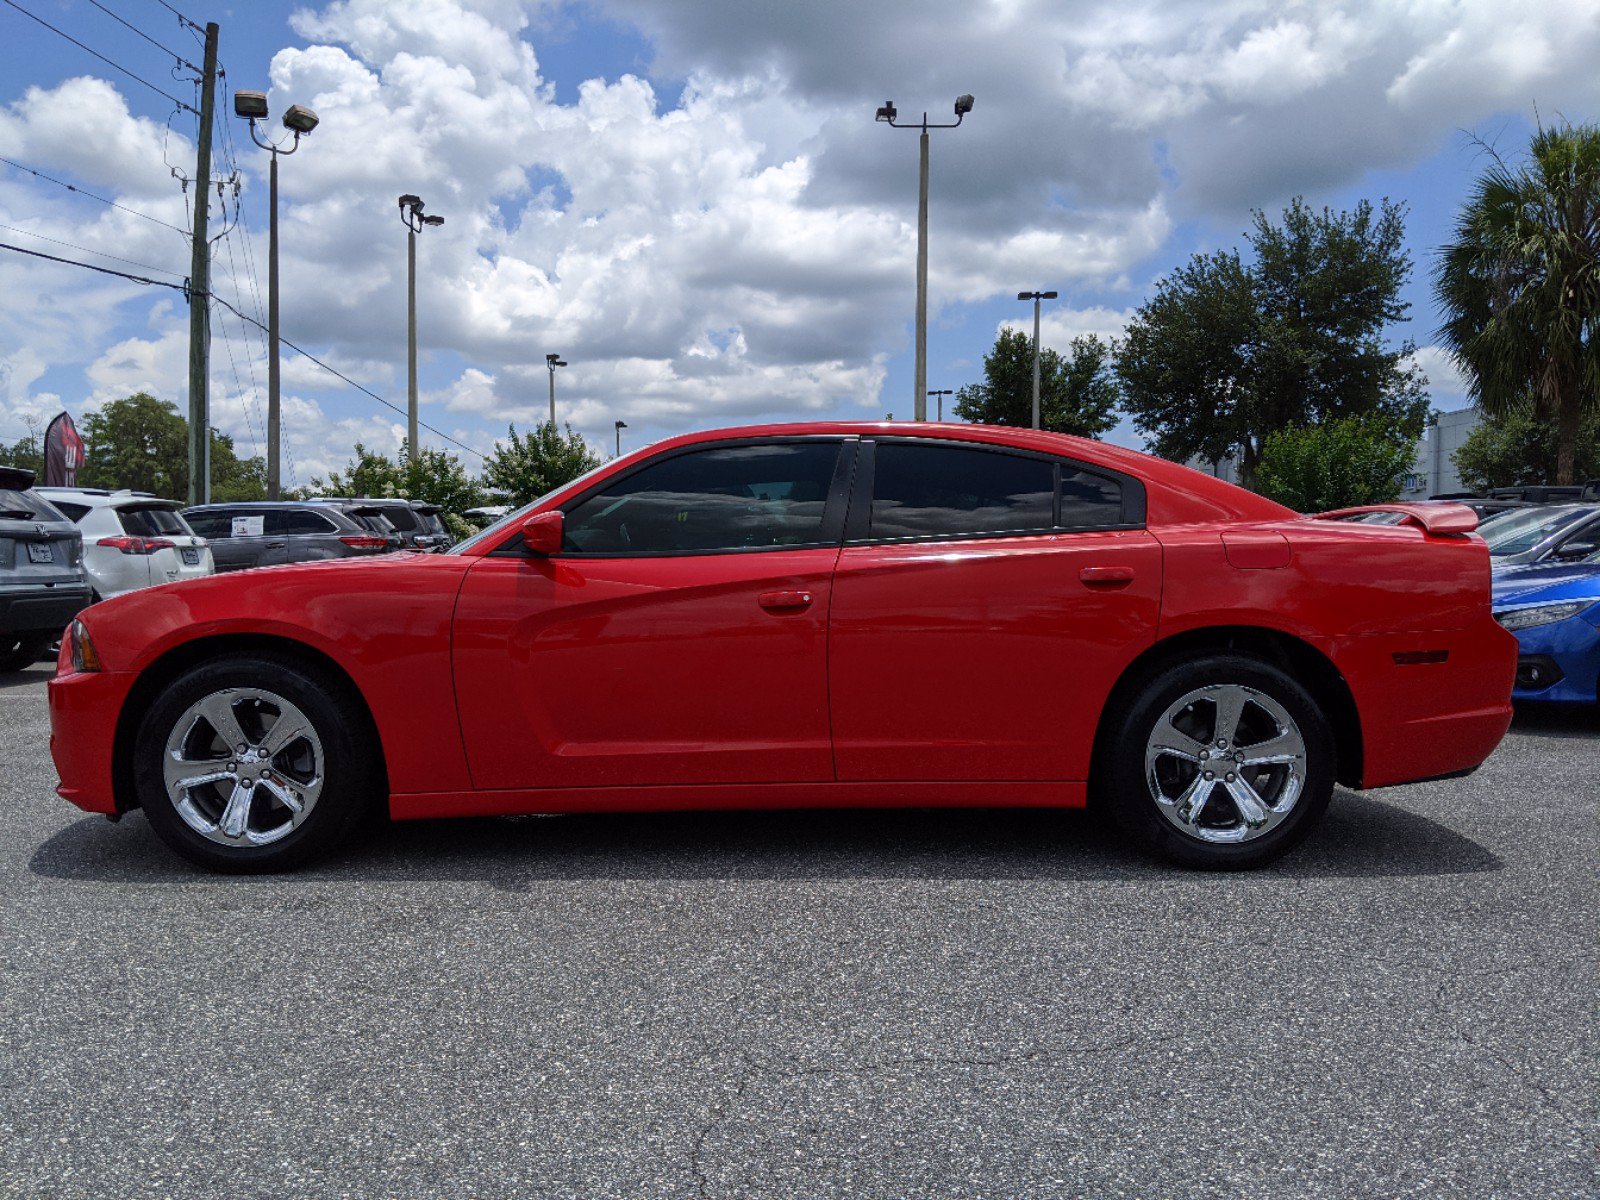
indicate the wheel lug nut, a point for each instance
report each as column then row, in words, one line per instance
column 1230, row 777
column 1210, row 775
column 1204, row 754
column 233, row 766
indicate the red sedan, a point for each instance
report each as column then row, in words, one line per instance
column 808, row 615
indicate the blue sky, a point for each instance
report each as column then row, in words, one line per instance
column 690, row 200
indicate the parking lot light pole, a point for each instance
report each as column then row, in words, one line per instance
column 298, row 120
column 1036, row 297
column 621, row 425
column 552, row 361
column 411, row 213
column 887, row 114
column 941, row 393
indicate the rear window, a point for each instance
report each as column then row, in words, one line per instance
column 373, row 521
column 27, row 506
column 151, row 522
column 402, row 518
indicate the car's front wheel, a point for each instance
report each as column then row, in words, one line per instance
column 1221, row 761
column 255, row 764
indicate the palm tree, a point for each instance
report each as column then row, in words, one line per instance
column 1520, row 285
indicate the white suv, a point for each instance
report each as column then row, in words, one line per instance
column 132, row 540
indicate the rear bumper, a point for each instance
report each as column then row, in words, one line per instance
column 45, row 608
column 1428, row 720
column 84, row 707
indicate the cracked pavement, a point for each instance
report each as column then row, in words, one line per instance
column 917, row 1003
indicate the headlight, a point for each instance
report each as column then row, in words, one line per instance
column 81, row 646
column 1540, row 614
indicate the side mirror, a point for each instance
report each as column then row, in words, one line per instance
column 541, row 533
column 1576, row 550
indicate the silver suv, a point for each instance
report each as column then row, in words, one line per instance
column 42, row 581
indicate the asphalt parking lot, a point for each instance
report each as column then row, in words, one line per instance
column 844, row 1004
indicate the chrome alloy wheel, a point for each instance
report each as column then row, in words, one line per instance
column 1225, row 763
column 243, row 767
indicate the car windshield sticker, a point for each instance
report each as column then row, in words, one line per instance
column 248, row 526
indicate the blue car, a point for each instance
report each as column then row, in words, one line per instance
column 1554, row 609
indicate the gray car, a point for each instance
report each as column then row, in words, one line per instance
column 42, row 580
column 418, row 523
column 1553, row 532
column 266, row 533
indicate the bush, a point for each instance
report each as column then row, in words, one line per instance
column 1338, row 464
column 1520, row 448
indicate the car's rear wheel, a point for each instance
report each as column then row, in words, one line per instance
column 1222, row 761
column 255, row 764
column 19, row 651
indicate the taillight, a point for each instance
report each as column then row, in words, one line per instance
column 77, row 647
column 137, row 545
column 364, row 541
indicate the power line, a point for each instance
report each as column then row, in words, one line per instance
column 243, row 317
column 86, row 250
column 74, row 188
column 177, row 287
column 181, row 59
column 118, row 66
column 179, row 15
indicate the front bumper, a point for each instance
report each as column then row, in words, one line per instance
column 1572, row 647
column 84, row 707
column 41, row 608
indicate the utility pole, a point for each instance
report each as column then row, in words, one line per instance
column 941, row 393
column 1036, row 297
column 200, row 289
column 552, row 361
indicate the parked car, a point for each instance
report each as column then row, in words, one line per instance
column 1554, row 609
column 132, row 540
column 42, row 581
column 265, row 533
column 418, row 523
column 789, row 616
column 1559, row 532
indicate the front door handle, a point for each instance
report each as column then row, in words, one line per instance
column 1106, row 576
column 779, row 601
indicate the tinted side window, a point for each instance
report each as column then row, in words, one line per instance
column 296, row 522
column 950, row 491
column 211, row 524
column 728, row 498
column 73, row 512
column 1088, row 500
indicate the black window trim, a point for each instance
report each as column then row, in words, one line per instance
column 858, row 522
column 833, row 514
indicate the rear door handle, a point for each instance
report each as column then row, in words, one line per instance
column 276, row 545
column 779, row 601
column 1112, row 576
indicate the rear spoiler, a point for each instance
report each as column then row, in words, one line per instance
column 16, row 479
column 430, row 509
column 1439, row 519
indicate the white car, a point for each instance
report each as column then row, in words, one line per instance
column 132, row 540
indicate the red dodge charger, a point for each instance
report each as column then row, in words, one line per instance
column 808, row 615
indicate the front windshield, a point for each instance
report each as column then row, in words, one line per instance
column 1522, row 532
column 496, row 530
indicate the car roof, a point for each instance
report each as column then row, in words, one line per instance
column 100, row 498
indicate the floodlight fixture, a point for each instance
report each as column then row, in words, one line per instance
column 299, row 119
column 252, row 106
column 963, row 105
column 432, row 220
column 888, row 112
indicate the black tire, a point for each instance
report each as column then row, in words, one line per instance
column 351, row 766
column 19, row 651
column 1123, row 787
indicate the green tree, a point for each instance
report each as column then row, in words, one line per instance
column 529, row 466
column 1520, row 283
column 1520, row 448
column 25, row 452
column 1077, row 392
column 142, row 443
column 369, row 473
column 1229, row 351
column 1337, row 464
column 435, row 476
